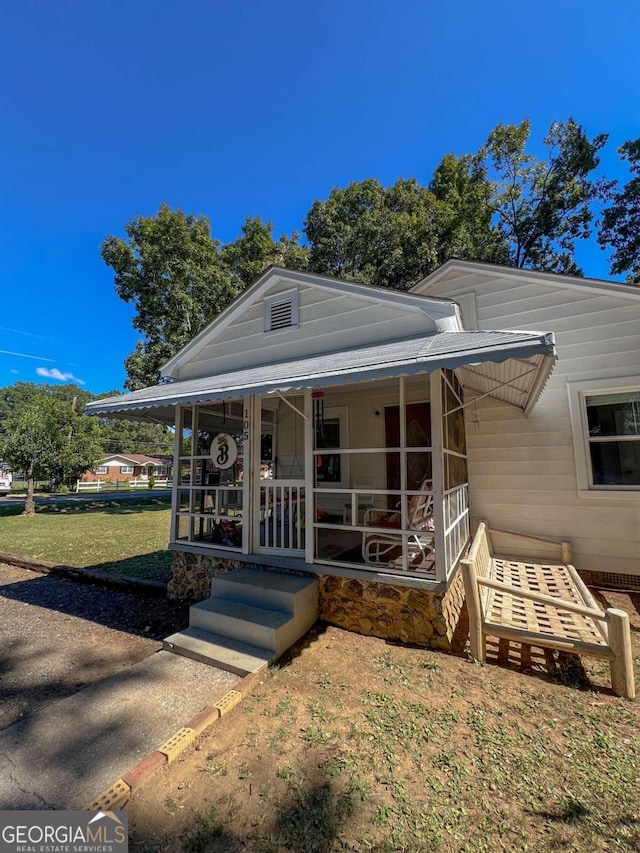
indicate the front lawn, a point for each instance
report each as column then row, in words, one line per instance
column 129, row 537
column 354, row 745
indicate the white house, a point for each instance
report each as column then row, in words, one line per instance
column 572, row 469
column 320, row 428
column 355, row 434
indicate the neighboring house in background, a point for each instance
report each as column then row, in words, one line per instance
column 390, row 423
column 130, row 466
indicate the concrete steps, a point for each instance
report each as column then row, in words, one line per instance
column 252, row 617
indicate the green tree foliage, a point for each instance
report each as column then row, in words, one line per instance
column 542, row 206
column 169, row 267
column 255, row 249
column 372, row 234
column 119, row 436
column 620, row 228
column 90, row 436
column 178, row 278
column 46, row 437
column 464, row 193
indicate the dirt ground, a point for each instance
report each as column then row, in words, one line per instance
column 354, row 744
column 59, row 636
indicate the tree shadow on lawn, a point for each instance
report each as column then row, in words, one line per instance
column 153, row 566
column 125, row 506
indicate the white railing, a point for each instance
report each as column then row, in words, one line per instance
column 456, row 524
column 282, row 514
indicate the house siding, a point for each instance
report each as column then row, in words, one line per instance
column 327, row 322
column 523, row 471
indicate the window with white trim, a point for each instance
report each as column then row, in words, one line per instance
column 614, row 438
column 126, row 469
column 281, row 311
column 605, row 418
column 102, row 469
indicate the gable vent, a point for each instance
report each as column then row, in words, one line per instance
column 281, row 311
column 281, row 315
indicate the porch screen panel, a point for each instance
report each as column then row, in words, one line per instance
column 455, row 471
column 211, row 467
column 373, row 485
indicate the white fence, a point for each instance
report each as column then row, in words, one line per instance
column 120, row 485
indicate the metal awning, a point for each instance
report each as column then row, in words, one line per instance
column 510, row 366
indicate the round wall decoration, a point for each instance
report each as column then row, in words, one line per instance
column 224, row 451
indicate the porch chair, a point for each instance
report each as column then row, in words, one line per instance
column 379, row 548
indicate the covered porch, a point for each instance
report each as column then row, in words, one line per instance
column 351, row 464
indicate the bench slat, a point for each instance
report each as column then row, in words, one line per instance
column 560, row 604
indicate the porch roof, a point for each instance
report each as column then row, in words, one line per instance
column 511, row 366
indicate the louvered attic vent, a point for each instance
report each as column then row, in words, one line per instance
column 281, row 311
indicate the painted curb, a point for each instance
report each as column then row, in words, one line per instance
column 118, row 795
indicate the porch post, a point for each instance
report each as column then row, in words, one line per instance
column 404, row 515
column 248, row 472
column 253, row 486
column 177, row 476
column 437, row 469
column 309, row 477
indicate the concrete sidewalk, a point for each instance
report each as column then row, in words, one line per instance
column 66, row 753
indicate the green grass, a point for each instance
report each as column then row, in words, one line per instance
column 126, row 538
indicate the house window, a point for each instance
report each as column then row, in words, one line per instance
column 126, row 469
column 614, row 438
column 102, row 469
column 161, row 472
column 606, row 425
column 281, row 311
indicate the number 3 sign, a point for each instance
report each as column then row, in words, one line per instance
column 224, row 451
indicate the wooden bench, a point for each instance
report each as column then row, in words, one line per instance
column 545, row 604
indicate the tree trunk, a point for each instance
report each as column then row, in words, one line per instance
column 29, row 504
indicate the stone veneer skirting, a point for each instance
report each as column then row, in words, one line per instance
column 383, row 610
column 391, row 612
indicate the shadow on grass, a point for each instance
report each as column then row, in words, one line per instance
column 154, row 566
column 310, row 820
column 123, row 506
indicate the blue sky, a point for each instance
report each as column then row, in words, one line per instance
column 235, row 108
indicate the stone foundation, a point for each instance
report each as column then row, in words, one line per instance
column 191, row 574
column 381, row 610
column 391, row 612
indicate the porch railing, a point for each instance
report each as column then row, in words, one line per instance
column 282, row 514
column 456, row 524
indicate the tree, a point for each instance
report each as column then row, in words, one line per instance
column 465, row 227
column 541, row 207
column 255, row 249
column 620, row 227
column 169, row 267
column 372, row 234
column 47, row 438
column 394, row 236
column 178, row 278
column 120, row 436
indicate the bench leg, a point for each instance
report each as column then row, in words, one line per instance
column 622, row 680
column 474, row 609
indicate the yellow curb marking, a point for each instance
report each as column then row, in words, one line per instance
column 119, row 793
column 113, row 798
column 177, row 744
column 228, row 701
